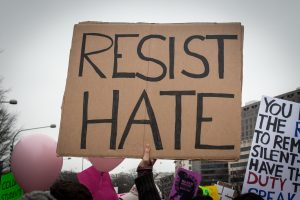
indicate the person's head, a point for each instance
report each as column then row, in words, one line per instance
column 248, row 196
column 67, row 190
column 38, row 195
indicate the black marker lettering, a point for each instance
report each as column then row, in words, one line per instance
column 178, row 108
column 262, row 118
column 85, row 55
column 290, row 110
column 221, row 39
column 152, row 122
column 143, row 57
column 171, row 56
column 268, row 104
column 200, row 57
column 201, row 119
column 117, row 55
column 113, row 121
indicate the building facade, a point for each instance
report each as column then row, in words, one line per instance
column 237, row 169
column 186, row 164
column 211, row 171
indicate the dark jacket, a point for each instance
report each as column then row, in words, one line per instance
column 146, row 187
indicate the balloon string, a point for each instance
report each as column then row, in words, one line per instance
column 101, row 178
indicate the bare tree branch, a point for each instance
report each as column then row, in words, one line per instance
column 7, row 128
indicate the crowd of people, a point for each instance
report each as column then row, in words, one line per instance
column 145, row 186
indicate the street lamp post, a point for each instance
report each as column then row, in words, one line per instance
column 11, row 101
column 27, row 129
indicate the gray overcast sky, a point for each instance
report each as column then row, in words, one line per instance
column 35, row 40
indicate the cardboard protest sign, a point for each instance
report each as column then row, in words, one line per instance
column 185, row 184
column 273, row 169
column 10, row 189
column 174, row 86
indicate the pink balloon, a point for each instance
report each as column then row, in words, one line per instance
column 105, row 164
column 34, row 162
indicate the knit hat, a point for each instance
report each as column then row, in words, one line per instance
column 38, row 195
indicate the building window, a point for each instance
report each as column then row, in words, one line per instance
column 245, row 148
column 242, row 164
column 244, row 156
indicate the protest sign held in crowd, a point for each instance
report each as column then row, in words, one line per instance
column 135, row 83
column 273, row 168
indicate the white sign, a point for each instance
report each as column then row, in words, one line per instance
column 225, row 193
column 273, row 169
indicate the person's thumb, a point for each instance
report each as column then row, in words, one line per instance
column 146, row 156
